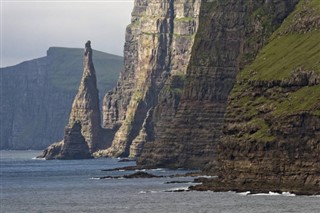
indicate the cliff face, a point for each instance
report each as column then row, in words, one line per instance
column 271, row 138
column 222, row 47
column 83, row 134
column 157, row 51
column 36, row 95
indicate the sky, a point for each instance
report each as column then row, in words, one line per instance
column 29, row 28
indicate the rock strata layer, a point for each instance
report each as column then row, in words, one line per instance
column 271, row 139
column 229, row 36
column 157, row 51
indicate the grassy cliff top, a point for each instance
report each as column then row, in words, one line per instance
column 293, row 48
column 296, row 44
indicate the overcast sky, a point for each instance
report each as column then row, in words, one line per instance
column 29, row 28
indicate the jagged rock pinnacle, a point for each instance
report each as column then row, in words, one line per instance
column 82, row 134
column 87, row 62
column 85, row 107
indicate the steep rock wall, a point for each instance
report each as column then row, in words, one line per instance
column 229, row 36
column 158, row 46
column 271, row 138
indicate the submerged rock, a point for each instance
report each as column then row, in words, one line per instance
column 134, row 175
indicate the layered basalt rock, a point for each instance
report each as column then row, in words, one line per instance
column 271, row 139
column 229, row 36
column 84, row 121
column 158, row 46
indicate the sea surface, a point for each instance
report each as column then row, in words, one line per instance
column 30, row 185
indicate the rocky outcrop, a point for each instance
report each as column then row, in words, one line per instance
column 74, row 144
column 229, row 36
column 271, row 139
column 83, row 134
column 36, row 95
column 157, row 49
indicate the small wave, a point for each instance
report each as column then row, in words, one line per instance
column 35, row 158
column 140, row 170
column 315, row 196
column 121, row 170
column 95, row 178
column 145, row 192
column 158, row 169
column 178, row 189
column 288, row 194
column 244, row 193
column 206, row 176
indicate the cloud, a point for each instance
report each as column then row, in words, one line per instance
column 30, row 28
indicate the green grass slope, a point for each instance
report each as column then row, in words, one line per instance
column 272, row 125
column 293, row 48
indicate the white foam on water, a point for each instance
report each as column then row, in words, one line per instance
column 35, row 158
column 140, row 170
column 145, row 192
column 178, row 189
column 288, row 194
column 267, row 194
column 94, row 178
column 206, row 176
column 244, row 193
column 121, row 170
column 158, row 169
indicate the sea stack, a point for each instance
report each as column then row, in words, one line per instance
column 85, row 107
column 83, row 130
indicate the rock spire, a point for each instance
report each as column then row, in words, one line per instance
column 82, row 134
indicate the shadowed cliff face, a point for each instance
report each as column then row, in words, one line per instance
column 83, row 134
column 229, row 32
column 157, row 49
column 271, row 138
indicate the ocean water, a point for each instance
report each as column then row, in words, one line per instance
column 29, row 185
